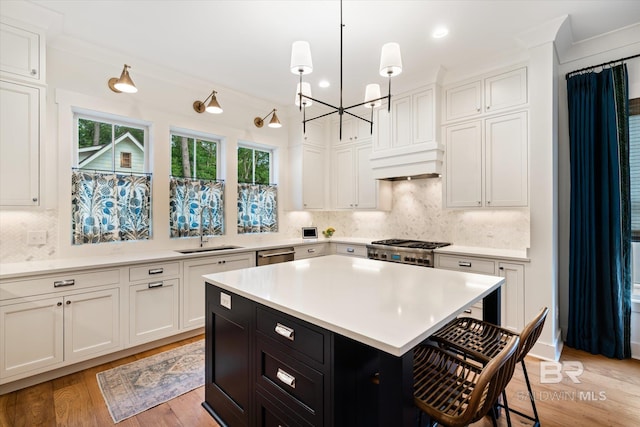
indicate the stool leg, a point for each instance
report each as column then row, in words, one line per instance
column 533, row 402
column 506, row 407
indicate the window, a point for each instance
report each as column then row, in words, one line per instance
column 106, row 205
column 634, row 166
column 257, row 198
column 125, row 160
column 196, row 195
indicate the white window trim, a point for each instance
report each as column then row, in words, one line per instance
column 272, row 155
column 220, row 146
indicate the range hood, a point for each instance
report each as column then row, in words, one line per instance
column 415, row 161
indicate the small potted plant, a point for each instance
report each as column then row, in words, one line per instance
column 328, row 232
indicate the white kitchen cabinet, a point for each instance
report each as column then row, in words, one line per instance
column 512, row 292
column 487, row 162
column 42, row 334
column 311, row 251
column 153, row 310
column 193, row 286
column 20, row 115
column 154, row 301
column 359, row 251
column 308, row 169
column 486, row 94
column 23, row 51
column 354, row 186
column 353, row 129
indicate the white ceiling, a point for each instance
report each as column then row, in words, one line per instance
column 246, row 45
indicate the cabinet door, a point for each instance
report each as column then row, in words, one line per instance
column 423, row 116
column 505, row 90
column 507, row 176
column 31, row 335
column 313, row 177
column 193, row 293
column 91, row 324
column 401, row 121
column 153, row 310
column 512, row 297
column 348, row 131
column 464, row 165
column 344, row 178
column 20, row 52
column 366, row 185
column 314, row 134
column 19, row 144
column 381, row 129
column 463, row 101
column 362, row 129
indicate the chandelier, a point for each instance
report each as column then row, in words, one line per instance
column 390, row 65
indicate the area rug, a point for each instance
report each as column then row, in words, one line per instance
column 135, row 387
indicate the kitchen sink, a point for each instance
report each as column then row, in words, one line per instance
column 211, row 249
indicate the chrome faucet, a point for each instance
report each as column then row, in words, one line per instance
column 203, row 240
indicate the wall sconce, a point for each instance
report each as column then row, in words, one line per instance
column 273, row 123
column 124, row 83
column 213, row 107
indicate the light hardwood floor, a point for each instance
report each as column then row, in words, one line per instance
column 608, row 395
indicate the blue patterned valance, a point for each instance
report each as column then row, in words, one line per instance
column 109, row 207
column 197, row 207
column 257, row 208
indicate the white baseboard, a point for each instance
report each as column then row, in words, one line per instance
column 635, row 350
column 548, row 351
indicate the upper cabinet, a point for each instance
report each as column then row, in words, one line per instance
column 493, row 93
column 307, row 168
column 407, row 139
column 23, row 53
column 22, row 96
column 353, row 130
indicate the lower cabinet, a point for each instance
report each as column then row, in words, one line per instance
column 193, row 294
column 153, row 310
column 359, row 251
column 41, row 334
column 512, row 292
column 311, row 251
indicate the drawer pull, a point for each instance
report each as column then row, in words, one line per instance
column 311, row 250
column 156, row 270
column 464, row 263
column 285, row 331
column 286, row 378
column 63, row 283
column 468, row 311
column 155, row 285
column 351, row 250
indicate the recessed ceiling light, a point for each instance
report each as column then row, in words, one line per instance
column 440, row 32
column 324, row 83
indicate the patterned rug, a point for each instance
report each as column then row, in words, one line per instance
column 135, row 387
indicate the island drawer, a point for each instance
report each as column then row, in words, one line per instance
column 154, row 271
column 291, row 333
column 310, row 251
column 297, row 385
column 471, row 265
column 272, row 414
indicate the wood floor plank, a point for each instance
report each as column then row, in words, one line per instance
column 76, row 399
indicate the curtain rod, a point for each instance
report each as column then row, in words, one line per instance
column 600, row 65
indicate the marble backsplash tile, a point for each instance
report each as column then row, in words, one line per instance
column 14, row 226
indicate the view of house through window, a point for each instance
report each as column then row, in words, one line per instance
column 257, row 198
column 110, row 189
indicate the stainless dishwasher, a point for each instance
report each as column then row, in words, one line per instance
column 274, row 256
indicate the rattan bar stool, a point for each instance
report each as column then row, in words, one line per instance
column 455, row 392
column 482, row 341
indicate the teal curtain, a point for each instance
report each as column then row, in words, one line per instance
column 257, row 208
column 196, row 207
column 109, row 207
column 600, row 242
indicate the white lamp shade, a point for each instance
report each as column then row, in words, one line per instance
column 372, row 92
column 301, row 58
column 306, row 90
column 390, row 60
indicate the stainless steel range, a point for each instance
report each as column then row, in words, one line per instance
column 413, row 252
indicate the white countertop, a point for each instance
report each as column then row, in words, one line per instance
column 505, row 254
column 389, row 306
